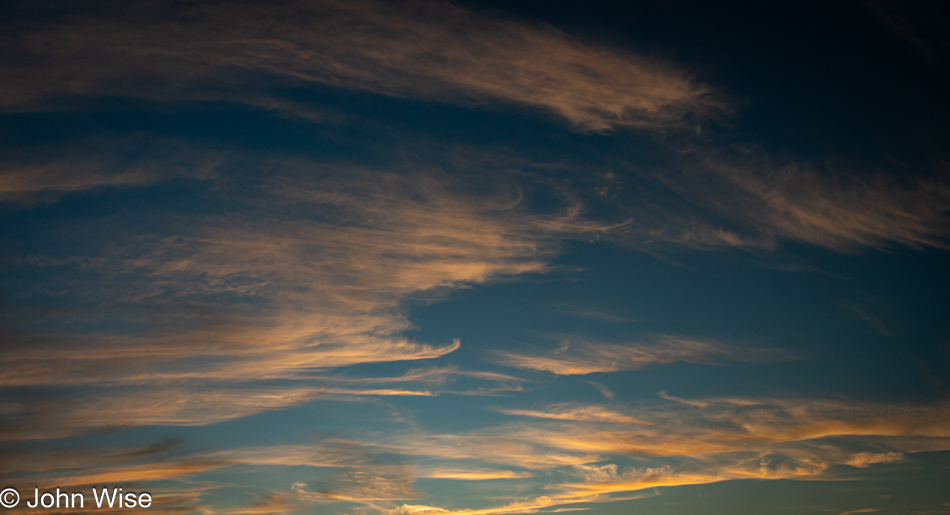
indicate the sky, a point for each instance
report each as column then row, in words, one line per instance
column 477, row 257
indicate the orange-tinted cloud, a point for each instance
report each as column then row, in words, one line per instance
column 130, row 161
column 702, row 441
column 736, row 425
column 577, row 413
column 428, row 50
column 866, row 459
column 578, row 356
column 836, row 210
column 296, row 298
column 476, row 474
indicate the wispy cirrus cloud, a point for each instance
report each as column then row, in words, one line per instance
column 836, row 210
column 865, row 459
column 165, row 466
column 754, row 437
column 21, row 182
column 449, row 53
column 701, row 442
column 578, row 457
column 920, row 25
column 270, row 282
column 422, row 50
column 576, row 413
column 46, row 174
column 476, row 474
column 338, row 453
column 224, row 303
column 171, row 501
column 708, row 199
column 45, row 414
column 740, row 424
column 578, row 356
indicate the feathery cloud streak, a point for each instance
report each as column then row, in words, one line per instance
column 839, row 211
column 267, row 297
column 579, row 453
column 701, row 442
column 427, row 50
column 580, row 357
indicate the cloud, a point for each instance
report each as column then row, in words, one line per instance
column 576, row 413
column 605, row 479
column 922, row 25
column 702, row 442
column 331, row 453
column 603, row 389
column 710, row 198
column 737, row 425
column 57, row 415
column 446, row 52
column 418, row 509
column 165, row 501
column 731, row 438
column 274, row 502
column 421, row 50
column 577, row 453
column 211, row 306
column 165, row 466
column 495, row 447
column 590, row 312
column 149, row 472
column 370, row 483
column 227, row 317
column 865, row 459
column 337, row 453
column 578, row 356
column 528, row 506
column 277, row 296
column 43, row 172
column 476, row 474
column 534, row 505
column 364, row 479
column 29, row 457
column 62, row 177
column 836, row 210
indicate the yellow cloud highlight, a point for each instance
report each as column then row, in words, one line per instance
column 865, row 459
column 476, row 475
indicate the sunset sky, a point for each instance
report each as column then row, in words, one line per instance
column 477, row 257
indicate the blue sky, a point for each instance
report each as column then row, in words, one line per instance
column 432, row 258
